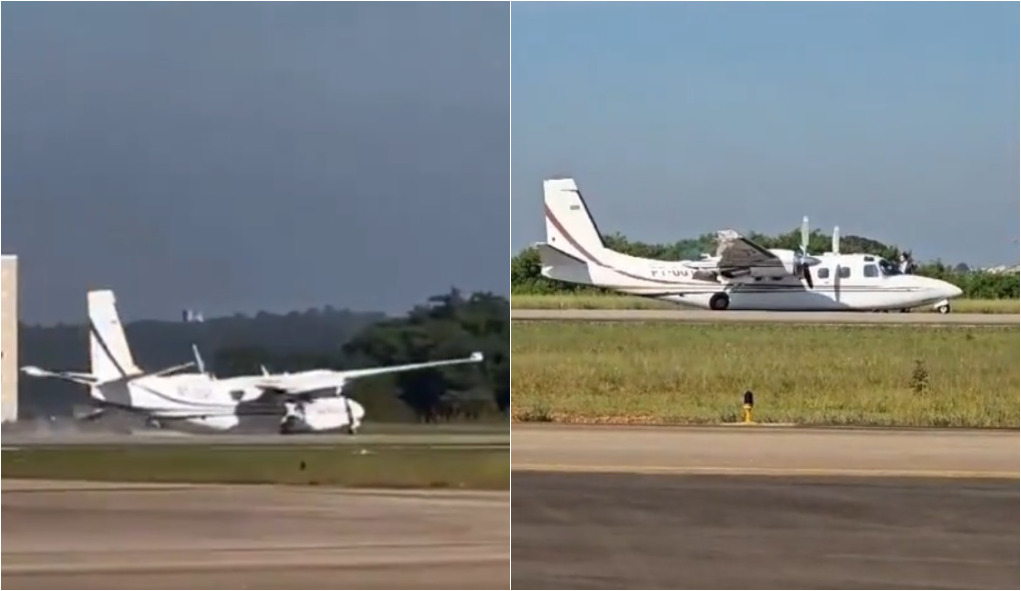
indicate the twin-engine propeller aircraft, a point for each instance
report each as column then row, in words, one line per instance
column 741, row 276
column 302, row 401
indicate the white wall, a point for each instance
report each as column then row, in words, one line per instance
column 9, row 345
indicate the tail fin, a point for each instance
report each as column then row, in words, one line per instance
column 569, row 226
column 108, row 346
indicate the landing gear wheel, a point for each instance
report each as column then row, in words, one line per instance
column 153, row 424
column 289, row 426
column 719, row 301
column 943, row 308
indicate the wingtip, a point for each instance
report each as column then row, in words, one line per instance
column 477, row 356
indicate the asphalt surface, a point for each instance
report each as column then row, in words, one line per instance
column 43, row 438
column 763, row 508
column 603, row 531
column 129, row 536
column 767, row 317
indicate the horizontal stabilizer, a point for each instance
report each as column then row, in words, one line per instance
column 551, row 256
column 86, row 379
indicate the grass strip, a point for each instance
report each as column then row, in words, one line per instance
column 349, row 466
column 667, row 372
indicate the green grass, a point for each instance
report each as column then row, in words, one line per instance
column 618, row 302
column 382, row 466
column 665, row 372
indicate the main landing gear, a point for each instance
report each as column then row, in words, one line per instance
column 719, row 301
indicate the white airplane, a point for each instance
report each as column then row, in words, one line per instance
column 741, row 276
column 302, row 401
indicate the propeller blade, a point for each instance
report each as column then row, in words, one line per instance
column 808, row 277
column 804, row 235
column 198, row 358
column 836, row 239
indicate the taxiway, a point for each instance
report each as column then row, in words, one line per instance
column 765, row 317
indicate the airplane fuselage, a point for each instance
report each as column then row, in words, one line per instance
column 196, row 402
column 839, row 282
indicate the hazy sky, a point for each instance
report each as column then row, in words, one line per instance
column 243, row 156
column 896, row 121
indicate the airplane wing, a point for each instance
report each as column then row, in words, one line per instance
column 737, row 252
column 305, row 383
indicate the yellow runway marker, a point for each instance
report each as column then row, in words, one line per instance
column 751, row 471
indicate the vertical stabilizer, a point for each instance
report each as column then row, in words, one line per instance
column 569, row 226
column 108, row 346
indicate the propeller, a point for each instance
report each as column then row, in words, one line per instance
column 198, row 358
column 836, row 239
column 802, row 260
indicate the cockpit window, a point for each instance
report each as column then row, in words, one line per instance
column 888, row 268
column 871, row 271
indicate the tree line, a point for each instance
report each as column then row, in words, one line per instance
column 526, row 278
column 445, row 326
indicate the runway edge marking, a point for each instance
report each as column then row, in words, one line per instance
column 741, row 471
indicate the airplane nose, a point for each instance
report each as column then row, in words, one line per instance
column 949, row 290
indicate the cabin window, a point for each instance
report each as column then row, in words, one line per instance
column 823, row 273
column 888, row 268
column 844, row 272
column 871, row 271
column 237, row 395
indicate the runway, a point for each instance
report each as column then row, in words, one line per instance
column 767, row 317
column 124, row 536
column 755, row 450
column 763, row 508
column 38, row 438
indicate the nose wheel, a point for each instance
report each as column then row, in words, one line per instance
column 943, row 308
column 719, row 301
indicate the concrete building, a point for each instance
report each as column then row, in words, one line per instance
column 9, row 345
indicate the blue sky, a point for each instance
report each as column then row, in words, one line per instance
column 896, row 121
column 232, row 157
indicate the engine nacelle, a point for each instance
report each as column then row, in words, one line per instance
column 323, row 414
column 752, row 272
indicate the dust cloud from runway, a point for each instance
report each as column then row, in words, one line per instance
column 102, row 535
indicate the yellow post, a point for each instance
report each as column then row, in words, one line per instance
column 749, row 402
